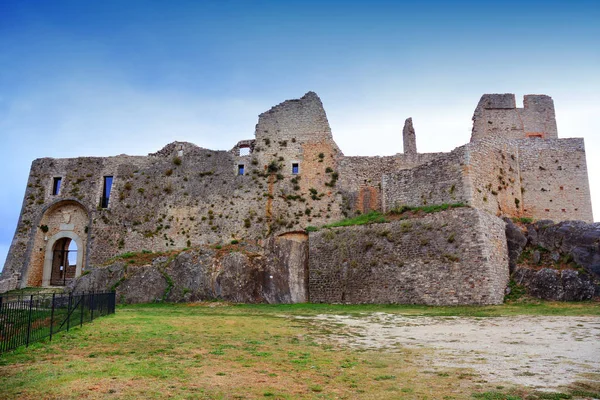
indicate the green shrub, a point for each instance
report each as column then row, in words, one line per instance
column 523, row 220
column 273, row 167
column 516, row 291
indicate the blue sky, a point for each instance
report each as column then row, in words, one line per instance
column 81, row 78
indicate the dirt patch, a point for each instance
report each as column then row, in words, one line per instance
column 533, row 351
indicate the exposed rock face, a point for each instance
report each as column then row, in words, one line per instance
column 556, row 261
column 551, row 284
column 237, row 275
column 515, row 241
column 576, row 238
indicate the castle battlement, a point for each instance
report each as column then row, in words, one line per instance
column 497, row 115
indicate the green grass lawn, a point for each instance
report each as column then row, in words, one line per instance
column 222, row 351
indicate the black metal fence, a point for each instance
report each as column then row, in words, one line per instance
column 27, row 319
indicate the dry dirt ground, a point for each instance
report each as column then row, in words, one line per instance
column 535, row 351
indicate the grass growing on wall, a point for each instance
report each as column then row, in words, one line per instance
column 376, row 217
column 426, row 209
column 369, row 218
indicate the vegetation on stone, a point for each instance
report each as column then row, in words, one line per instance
column 372, row 217
column 376, row 217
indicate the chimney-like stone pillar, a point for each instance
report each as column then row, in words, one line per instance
column 410, row 139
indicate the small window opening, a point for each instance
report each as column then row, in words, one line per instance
column 56, row 186
column 535, row 135
column 295, row 169
column 241, row 169
column 244, row 151
column 106, row 191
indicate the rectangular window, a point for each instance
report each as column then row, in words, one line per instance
column 241, row 169
column 295, row 169
column 535, row 134
column 106, row 191
column 56, row 186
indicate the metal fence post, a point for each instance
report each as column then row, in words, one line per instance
column 29, row 320
column 69, row 312
column 81, row 316
column 92, row 307
column 52, row 316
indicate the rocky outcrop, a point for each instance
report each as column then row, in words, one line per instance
column 577, row 239
column 237, row 273
column 551, row 284
column 515, row 241
column 559, row 262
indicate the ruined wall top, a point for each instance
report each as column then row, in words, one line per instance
column 409, row 138
column 302, row 119
column 497, row 115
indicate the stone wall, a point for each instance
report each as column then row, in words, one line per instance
column 184, row 195
column 292, row 175
column 66, row 219
column 361, row 177
column 453, row 257
column 436, row 182
column 555, row 179
column 494, row 176
column 497, row 116
column 536, row 178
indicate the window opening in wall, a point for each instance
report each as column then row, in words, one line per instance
column 535, row 135
column 295, row 169
column 106, row 191
column 241, row 169
column 244, row 151
column 56, row 186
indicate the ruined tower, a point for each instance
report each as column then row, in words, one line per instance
column 409, row 138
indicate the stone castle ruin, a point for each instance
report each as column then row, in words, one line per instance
column 257, row 199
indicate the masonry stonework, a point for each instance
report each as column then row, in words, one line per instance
column 455, row 257
column 266, row 190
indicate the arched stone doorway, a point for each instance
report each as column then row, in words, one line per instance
column 59, row 268
column 60, row 241
column 64, row 261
